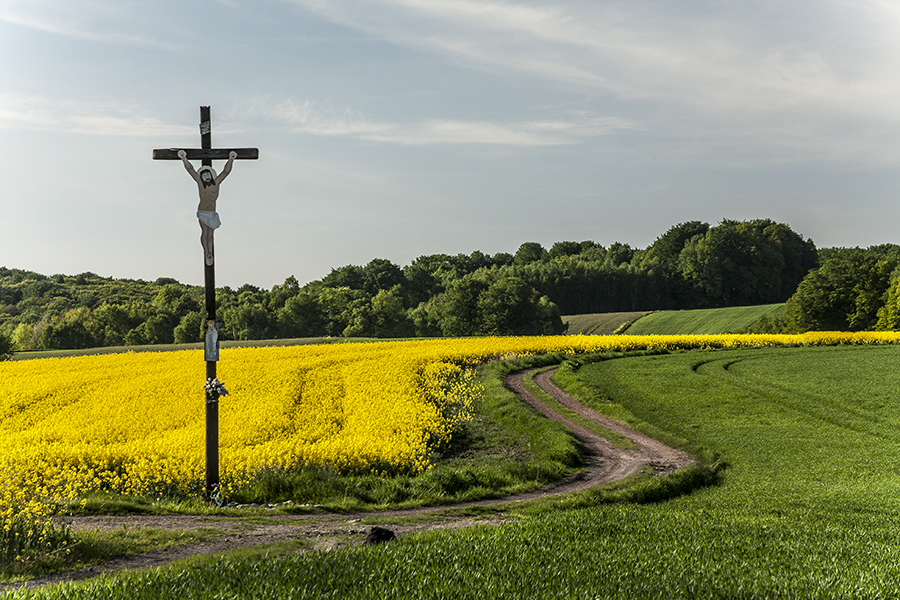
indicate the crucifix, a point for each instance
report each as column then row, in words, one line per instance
column 208, row 186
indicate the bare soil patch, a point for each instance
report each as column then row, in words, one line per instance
column 604, row 464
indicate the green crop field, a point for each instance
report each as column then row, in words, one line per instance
column 598, row 324
column 807, row 507
column 708, row 321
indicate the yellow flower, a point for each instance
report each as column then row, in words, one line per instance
column 133, row 423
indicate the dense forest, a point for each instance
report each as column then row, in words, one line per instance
column 692, row 265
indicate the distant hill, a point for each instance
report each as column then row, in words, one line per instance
column 708, row 321
column 703, row 321
column 598, row 323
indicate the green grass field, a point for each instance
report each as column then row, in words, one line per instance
column 808, row 507
column 707, row 321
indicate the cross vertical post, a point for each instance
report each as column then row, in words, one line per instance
column 208, row 186
column 209, row 280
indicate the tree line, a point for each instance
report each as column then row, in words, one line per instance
column 854, row 289
column 692, row 265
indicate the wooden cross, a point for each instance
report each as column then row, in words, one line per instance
column 206, row 154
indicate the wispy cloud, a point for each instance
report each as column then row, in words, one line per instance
column 697, row 56
column 82, row 117
column 308, row 117
column 94, row 20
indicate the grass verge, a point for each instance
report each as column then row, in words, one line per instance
column 91, row 547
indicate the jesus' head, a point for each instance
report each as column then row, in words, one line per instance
column 207, row 175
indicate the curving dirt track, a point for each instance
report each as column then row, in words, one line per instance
column 604, row 464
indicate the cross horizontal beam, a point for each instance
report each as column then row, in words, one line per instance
column 206, row 153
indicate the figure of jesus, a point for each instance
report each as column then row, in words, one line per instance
column 208, row 185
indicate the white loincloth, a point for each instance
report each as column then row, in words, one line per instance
column 209, row 218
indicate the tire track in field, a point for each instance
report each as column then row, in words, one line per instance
column 604, row 463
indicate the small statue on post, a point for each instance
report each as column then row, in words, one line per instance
column 208, row 186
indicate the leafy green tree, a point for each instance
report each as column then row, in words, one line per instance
column 548, row 318
column 421, row 281
column 250, row 294
column 301, row 316
column 457, row 309
column 668, row 246
column 845, row 293
column 280, row 294
column 337, row 307
column 660, row 261
column 381, row 274
column 871, row 291
column 510, row 306
column 712, row 263
column 618, row 254
column 889, row 313
column 822, row 301
column 389, row 318
column 564, row 249
column 350, row 276
column 136, row 336
column 529, row 252
column 160, row 328
column 799, row 255
column 189, row 328
column 245, row 322
column 66, row 333
column 479, row 260
column 739, row 263
column 40, row 288
column 427, row 276
column 425, row 320
column 593, row 254
column 176, row 300
column 24, row 338
column 383, row 317
column 110, row 323
column 6, row 347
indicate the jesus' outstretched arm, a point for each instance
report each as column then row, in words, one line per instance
column 227, row 168
column 188, row 166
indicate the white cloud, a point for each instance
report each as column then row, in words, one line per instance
column 469, row 132
column 700, row 57
column 82, row 117
column 102, row 21
column 308, row 117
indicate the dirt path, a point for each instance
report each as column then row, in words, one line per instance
column 604, row 463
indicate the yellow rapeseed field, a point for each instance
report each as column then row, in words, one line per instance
column 134, row 422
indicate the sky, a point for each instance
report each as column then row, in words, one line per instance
column 400, row 128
